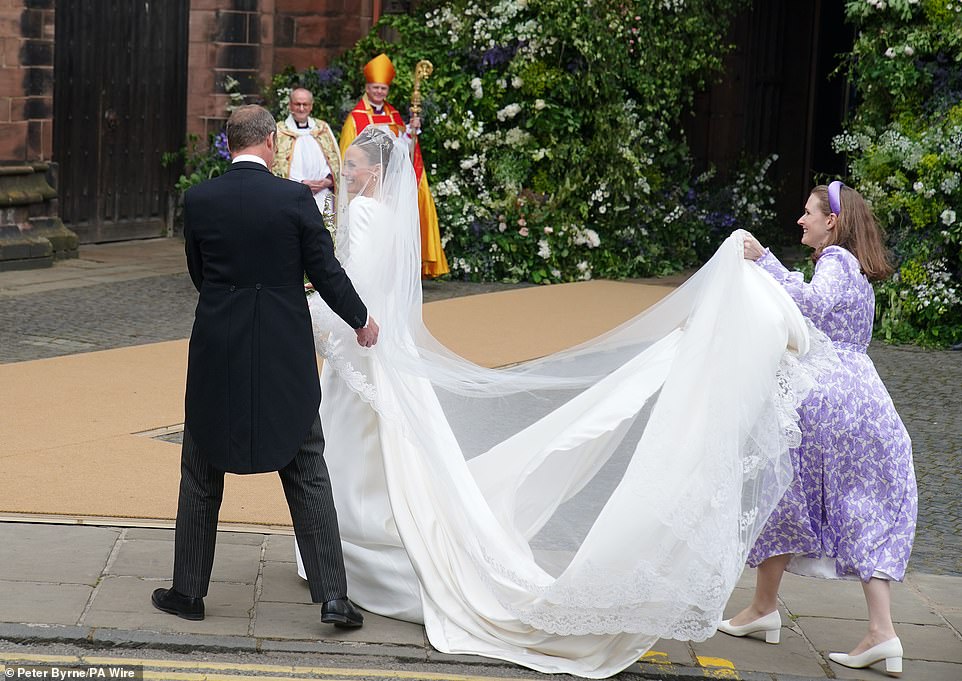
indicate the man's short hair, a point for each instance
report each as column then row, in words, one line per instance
column 248, row 126
column 304, row 89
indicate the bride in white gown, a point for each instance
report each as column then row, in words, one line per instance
column 565, row 513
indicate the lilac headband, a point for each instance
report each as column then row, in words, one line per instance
column 834, row 189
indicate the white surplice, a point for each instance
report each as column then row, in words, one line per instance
column 308, row 161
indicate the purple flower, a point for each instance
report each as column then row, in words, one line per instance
column 220, row 145
column 330, row 75
column 498, row 56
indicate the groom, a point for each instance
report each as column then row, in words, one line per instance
column 252, row 387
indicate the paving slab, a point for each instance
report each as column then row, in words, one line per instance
column 236, row 563
column 43, row 602
column 240, row 538
column 280, row 583
column 942, row 589
column 55, row 553
column 791, row 656
column 143, row 558
column 124, row 603
column 280, row 549
column 149, row 534
column 919, row 641
column 844, row 599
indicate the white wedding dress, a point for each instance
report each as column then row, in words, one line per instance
column 566, row 513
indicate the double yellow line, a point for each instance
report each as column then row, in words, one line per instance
column 199, row 670
column 189, row 670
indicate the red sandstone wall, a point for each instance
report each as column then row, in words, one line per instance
column 250, row 40
column 26, row 80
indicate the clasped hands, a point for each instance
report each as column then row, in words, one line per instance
column 318, row 185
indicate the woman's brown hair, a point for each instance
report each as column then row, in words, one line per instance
column 856, row 231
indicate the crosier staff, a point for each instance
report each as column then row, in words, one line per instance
column 422, row 70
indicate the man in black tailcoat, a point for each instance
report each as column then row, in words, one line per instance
column 252, row 385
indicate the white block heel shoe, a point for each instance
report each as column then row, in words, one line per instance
column 890, row 651
column 771, row 624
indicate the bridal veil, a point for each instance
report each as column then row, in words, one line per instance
column 567, row 512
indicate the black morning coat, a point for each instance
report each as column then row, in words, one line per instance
column 252, row 385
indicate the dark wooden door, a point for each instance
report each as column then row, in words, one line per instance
column 776, row 95
column 120, row 92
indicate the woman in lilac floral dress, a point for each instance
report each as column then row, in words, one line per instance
column 850, row 510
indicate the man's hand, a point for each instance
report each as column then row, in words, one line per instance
column 415, row 125
column 367, row 335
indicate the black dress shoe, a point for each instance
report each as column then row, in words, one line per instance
column 176, row 603
column 341, row 613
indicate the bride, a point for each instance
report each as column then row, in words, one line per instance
column 565, row 513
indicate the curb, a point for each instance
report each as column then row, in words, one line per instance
column 27, row 634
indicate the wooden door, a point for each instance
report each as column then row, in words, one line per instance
column 120, row 92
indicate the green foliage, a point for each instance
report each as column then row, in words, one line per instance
column 200, row 162
column 904, row 148
column 551, row 132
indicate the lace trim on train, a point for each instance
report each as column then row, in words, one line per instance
column 655, row 598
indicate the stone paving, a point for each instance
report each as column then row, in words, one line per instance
column 103, row 301
column 89, row 586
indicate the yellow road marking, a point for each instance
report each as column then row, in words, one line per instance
column 655, row 657
column 332, row 673
column 718, row 668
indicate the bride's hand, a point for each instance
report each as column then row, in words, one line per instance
column 753, row 249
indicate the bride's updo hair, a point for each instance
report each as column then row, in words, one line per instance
column 376, row 144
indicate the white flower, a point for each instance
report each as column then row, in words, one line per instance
column 516, row 137
column 539, row 104
column 455, row 144
column 919, row 187
column 517, row 82
column 909, row 51
column 510, row 111
column 890, row 52
column 948, row 217
column 544, row 250
column 556, row 274
column 469, row 162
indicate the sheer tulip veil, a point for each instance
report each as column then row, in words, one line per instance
column 565, row 513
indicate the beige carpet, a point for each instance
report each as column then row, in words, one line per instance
column 72, row 442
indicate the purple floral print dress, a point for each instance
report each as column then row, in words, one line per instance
column 853, row 500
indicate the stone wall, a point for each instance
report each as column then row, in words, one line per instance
column 31, row 233
column 26, row 80
column 250, row 40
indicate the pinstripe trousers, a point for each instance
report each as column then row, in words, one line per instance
column 307, row 487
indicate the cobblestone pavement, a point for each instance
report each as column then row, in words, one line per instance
column 925, row 385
